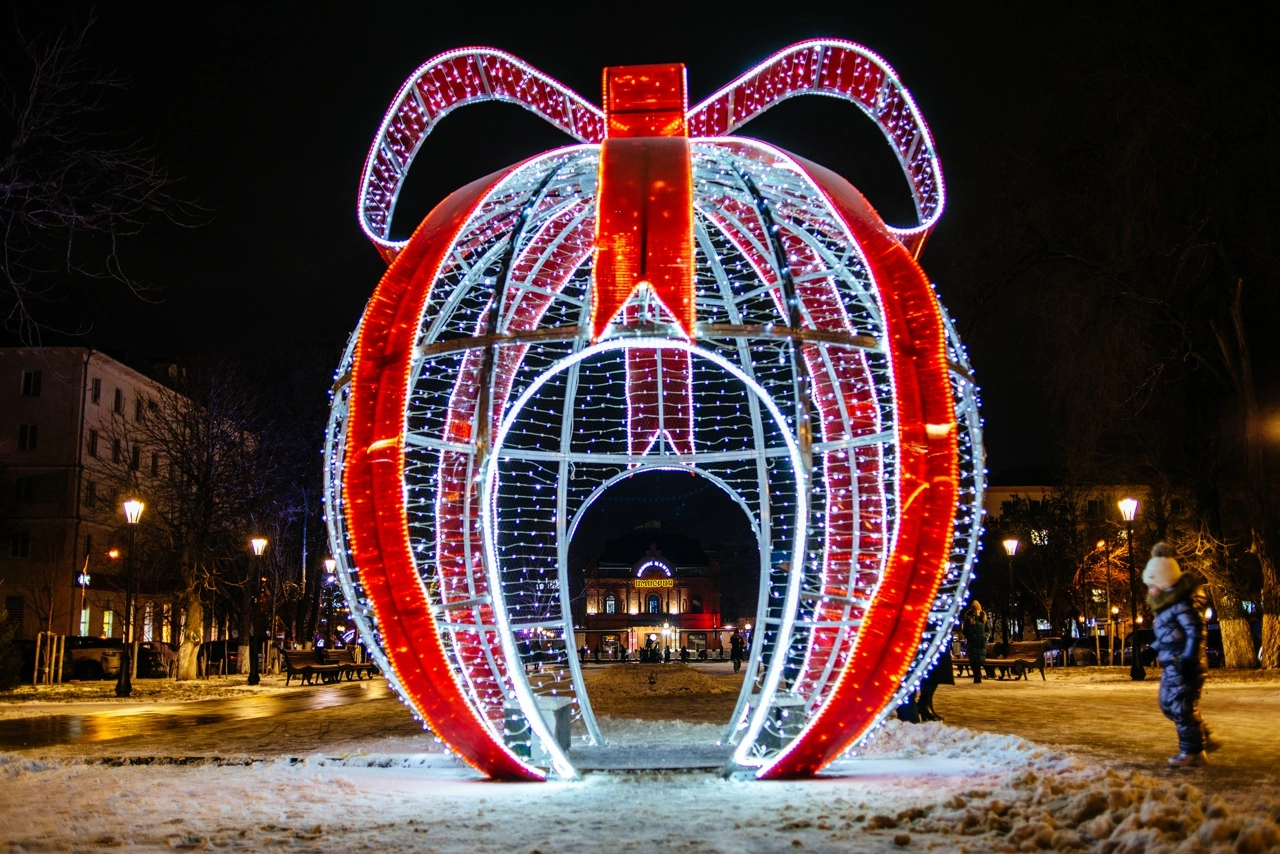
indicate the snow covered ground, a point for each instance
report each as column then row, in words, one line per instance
column 384, row 786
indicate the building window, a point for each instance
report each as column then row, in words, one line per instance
column 93, row 443
column 20, row 544
column 14, row 606
column 695, row 604
column 135, row 457
column 95, row 390
column 119, row 404
column 30, row 383
column 24, row 489
column 108, row 623
column 611, row 604
column 697, row 641
column 155, row 464
column 27, row 437
column 137, row 409
column 654, row 604
column 115, row 450
column 90, row 495
column 88, row 544
column 84, row 621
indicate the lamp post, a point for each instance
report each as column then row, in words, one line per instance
column 259, row 545
column 1129, row 510
column 330, row 564
column 1010, row 549
column 124, row 682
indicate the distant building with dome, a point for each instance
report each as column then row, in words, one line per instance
column 652, row 587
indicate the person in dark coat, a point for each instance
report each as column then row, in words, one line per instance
column 975, row 628
column 736, row 646
column 1178, row 601
column 941, row 674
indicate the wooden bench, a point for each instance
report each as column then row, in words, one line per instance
column 306, row 664
column 349, row 667
column 1017, row 659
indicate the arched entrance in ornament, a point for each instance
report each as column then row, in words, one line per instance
column 531, row 499
column 664, row 561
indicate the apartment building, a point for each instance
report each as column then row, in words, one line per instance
column 65, row 414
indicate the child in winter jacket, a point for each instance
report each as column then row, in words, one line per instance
column 1178, row 602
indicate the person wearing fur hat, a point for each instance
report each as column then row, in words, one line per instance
column 1178, row 601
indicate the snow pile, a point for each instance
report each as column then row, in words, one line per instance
column 927, row 787
column 667, row 680
column 1059, row 802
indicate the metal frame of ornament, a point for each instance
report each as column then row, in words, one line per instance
column 474, row 418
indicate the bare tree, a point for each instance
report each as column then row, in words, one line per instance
column 1145, row 241
column 208, row 487
column 69, row 189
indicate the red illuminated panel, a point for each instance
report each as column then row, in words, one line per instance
column 645, row 100
column 374, row 490
column 928, row 475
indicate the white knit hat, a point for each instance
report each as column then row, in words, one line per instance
column 1163, row 572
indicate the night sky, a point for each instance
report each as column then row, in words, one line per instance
column 266, row 112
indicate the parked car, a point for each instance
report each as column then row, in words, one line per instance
column 156, row 660
column 220, row 656
column 1213, row 647
column 92, row 658
column 1085, row 651
column 1056, row 651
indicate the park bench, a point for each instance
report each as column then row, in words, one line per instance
column 306, row 664
column 1014, row 658
column 349, row 667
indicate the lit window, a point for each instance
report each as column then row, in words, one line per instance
column 108, row 623
column 84, row 621
column 655, row 604
column 611, row 604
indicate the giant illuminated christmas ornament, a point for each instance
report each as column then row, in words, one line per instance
column 661, row 296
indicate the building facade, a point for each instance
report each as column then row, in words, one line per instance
column 65, row 416
column 652, row 589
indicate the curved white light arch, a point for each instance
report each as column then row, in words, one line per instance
column 489, row 476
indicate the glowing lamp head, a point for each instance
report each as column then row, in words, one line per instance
column 1011, row 547
column 259, row 545
column 1129, row 508
column 113, row 554
column 133, row 511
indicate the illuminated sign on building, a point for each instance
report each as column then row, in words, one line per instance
column 655, row 582
column 653, row 564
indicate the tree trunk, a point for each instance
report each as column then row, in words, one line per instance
column 1237, row 644
column 189, row 648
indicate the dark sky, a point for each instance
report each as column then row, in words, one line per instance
column 267, row 111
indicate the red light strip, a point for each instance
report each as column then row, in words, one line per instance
column 373, row 485
column 927, row 493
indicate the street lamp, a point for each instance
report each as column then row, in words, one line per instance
column 1129, row 510
column 259, row 545
column 1010, row 549
column 124, row 682
column 330, row 564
